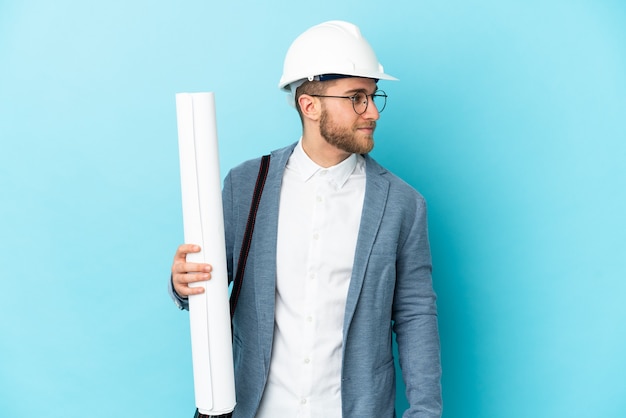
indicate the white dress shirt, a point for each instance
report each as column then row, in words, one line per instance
column 318, row 225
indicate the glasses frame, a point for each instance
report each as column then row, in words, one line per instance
column 377, row 93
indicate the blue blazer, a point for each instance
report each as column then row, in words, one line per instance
column 390, row 289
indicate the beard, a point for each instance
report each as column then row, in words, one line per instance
column 347, row 139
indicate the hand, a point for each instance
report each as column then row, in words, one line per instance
column 184, row 273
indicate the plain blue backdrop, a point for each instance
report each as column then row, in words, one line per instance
column 509, row 116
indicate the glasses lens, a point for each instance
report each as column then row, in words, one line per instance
column 380, row 100
column 359, row 102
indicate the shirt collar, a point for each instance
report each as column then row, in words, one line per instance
column 338, row 174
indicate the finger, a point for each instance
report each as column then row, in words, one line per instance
column 186, row 290
column 182, row 282
column 184, row 249
column 182, row 268
column 185, row 279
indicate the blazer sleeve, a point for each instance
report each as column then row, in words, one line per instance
column 415, row 320
column 181, row 303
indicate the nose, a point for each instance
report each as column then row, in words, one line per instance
column 371, row 113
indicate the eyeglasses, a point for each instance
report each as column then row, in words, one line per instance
column 360, row 100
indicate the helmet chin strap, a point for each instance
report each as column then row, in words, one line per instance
column 291, row 97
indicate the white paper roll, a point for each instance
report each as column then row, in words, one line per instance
column 209, row 313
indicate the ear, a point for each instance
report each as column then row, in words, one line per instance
column 309, row 106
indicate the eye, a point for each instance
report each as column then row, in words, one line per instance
column 360, row 98
column 380, row 100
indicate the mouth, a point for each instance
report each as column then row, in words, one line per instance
column 369, row 128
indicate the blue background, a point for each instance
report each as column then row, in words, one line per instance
column 509, row 116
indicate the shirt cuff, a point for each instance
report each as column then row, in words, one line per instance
column 181, row 302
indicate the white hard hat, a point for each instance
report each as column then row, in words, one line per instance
column 330, row 48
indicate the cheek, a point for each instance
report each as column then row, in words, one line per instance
column 346, row 122
column 339, row 119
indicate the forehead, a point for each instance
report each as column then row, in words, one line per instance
column 353, row 84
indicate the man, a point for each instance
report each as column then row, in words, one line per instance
column 339, row 258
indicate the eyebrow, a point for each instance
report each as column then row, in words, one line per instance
column 354, row 91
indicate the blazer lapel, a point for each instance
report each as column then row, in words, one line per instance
column 376, row 192
column 264, row 251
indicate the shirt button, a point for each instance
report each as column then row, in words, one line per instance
column 302, row 401
column 307, row 360
column 316, row 236
column 309, row 319
column 319, row 199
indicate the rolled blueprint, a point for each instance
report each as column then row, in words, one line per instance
column 209, row 312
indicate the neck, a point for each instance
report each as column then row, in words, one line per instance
column 321, row 152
